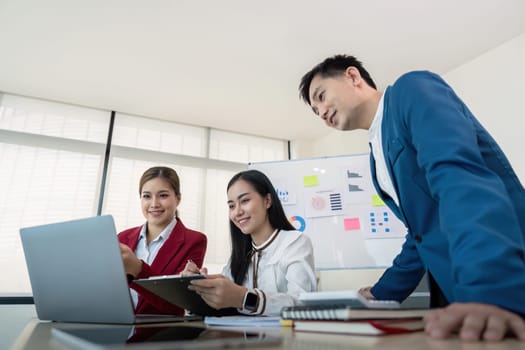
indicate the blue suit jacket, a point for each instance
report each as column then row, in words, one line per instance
column 462, row 203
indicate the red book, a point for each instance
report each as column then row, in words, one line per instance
column 361, row 327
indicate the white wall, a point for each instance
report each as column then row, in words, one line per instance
column 334, row 144
column 350, row 279
column 492, row 85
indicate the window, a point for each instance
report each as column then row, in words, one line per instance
column 234, row 147
column 157, row 135
column 53, row 119
column 52, row 158
column 203, row 180
column 122, row 198
column 48, row 174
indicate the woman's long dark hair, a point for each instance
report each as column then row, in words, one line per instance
column 242, row 243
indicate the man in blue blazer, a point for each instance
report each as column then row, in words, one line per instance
column 445, row 177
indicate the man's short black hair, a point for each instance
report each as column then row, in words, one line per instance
column 331, row 67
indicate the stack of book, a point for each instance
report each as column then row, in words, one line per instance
column 352, row 316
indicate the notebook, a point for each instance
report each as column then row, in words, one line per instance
column 346, row 297
column 77, row 275
column 344, row 312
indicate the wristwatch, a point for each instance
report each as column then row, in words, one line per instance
column 251, row 301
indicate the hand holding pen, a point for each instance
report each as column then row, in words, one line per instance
column 192, row 269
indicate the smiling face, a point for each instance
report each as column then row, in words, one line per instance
column 337, row 100
column 249, row 210
column 158, row 202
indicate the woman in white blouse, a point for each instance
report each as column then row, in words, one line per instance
column 270, row 264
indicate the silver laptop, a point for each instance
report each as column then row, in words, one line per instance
column 77, row 274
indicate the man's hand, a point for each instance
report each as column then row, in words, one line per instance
column 365, row 291
column 474, row 322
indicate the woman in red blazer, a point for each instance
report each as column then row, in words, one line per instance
column 161, row 246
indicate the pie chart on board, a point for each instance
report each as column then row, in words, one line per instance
column 298, row 222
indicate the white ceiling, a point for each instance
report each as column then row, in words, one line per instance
column 232, row 64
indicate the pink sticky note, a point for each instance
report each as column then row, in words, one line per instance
column 352, row 224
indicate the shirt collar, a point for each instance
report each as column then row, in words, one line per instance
column 376, row 122
column 267, row 242
column 164, row 235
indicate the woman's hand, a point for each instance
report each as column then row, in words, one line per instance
column 132, row 265
column 219, row 292
column 192, row 269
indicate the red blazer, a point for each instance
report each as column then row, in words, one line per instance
column 183, row 244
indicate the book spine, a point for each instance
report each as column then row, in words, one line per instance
column 313, row 313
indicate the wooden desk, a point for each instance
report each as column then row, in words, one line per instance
column 36, row 336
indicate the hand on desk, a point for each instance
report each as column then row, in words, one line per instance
column 365, row 291
column 474, row 322
column 219, row 292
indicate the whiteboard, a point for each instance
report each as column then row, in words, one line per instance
column 333, row 201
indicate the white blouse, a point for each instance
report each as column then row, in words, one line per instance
column 286, row 268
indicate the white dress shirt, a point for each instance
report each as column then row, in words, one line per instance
column 374, row 135
column 286, row 269
column 148, row 253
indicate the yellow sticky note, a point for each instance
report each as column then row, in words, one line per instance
column 310, row 181
column 377, row 201
column 286, row 323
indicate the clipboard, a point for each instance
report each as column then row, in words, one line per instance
column 174, row 289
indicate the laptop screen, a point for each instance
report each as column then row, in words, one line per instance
column 76, row 271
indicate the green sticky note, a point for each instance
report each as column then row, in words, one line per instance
column 377, row 201
column 310, row 181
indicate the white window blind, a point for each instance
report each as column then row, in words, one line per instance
column 122, row 199
column 46, row 175
column 217, row 224
column 241, row 148
column 52, row 119
column 157, row 135
column 52, row 158
column 203, row 181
